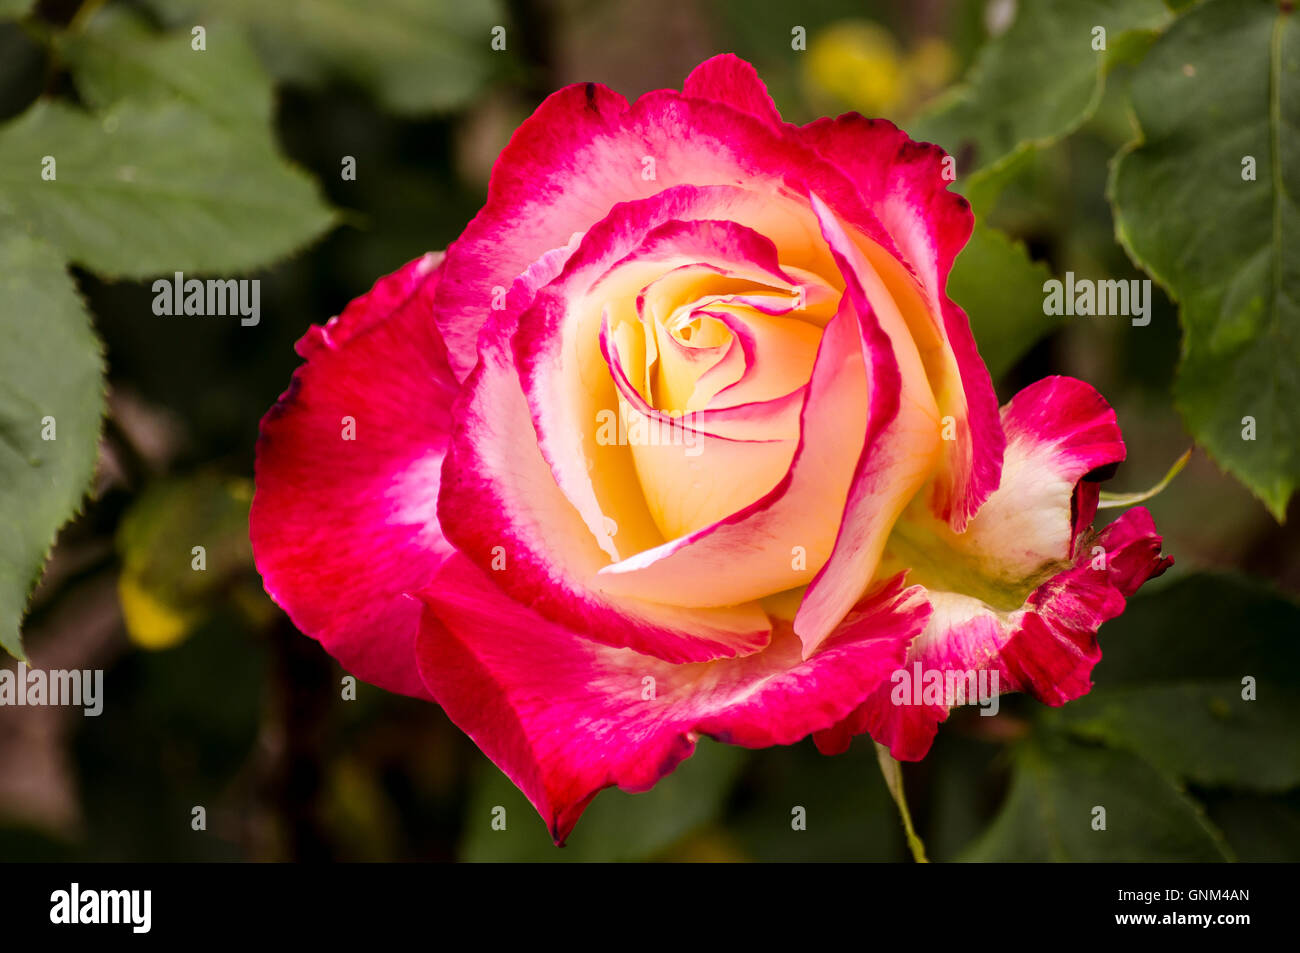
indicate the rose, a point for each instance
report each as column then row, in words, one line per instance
column 683, row 437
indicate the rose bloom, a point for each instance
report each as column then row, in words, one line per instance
column 684, row 437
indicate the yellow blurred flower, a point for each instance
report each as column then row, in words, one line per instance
column 857, row 62
column 860, row 65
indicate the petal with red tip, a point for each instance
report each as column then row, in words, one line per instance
column 565, row 717
column 1024, row 590
column 583, row 151
column 904, row 184
column 344, row 519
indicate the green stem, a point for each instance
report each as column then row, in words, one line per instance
column 894, row 781
column 1108, row 500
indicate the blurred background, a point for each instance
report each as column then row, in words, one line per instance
column 214, row 700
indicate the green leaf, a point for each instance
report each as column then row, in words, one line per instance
column 118, row 57
column 163, row 594
column 1221, row 85
column 1166, row 710
column 1049, row 812
column 51, row 386
column 1203, row 731
column 142, row 191
column 1169, row 685
column 1037, row 82
column 1260, row 829
column 1247, row 626
column 415, row 56
column 1001, row 291
column 15, row 9
column 616, row 827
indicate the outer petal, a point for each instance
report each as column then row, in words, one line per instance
column 1023, row 591
column 342, row 529
column 904, row 186
column 1058, row 430
column 583, row 151
column 564, row 717
column 728, row 79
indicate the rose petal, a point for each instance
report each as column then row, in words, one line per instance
column 500, row 505
column 343, row 528
column 566, row 375
column 783, row 538
column 905, row 185
column 688, row 475
column 757, row 422
column 900, row 450
column 1023, row 591
column 583, row 151
column 728, row 79
column 1058, row 430
column 565, row 717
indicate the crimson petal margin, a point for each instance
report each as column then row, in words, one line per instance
column 565, row 717
column 904, row 185
column 582, row 152
column 343, row 529
column 1060, row 432
column 898, row 451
